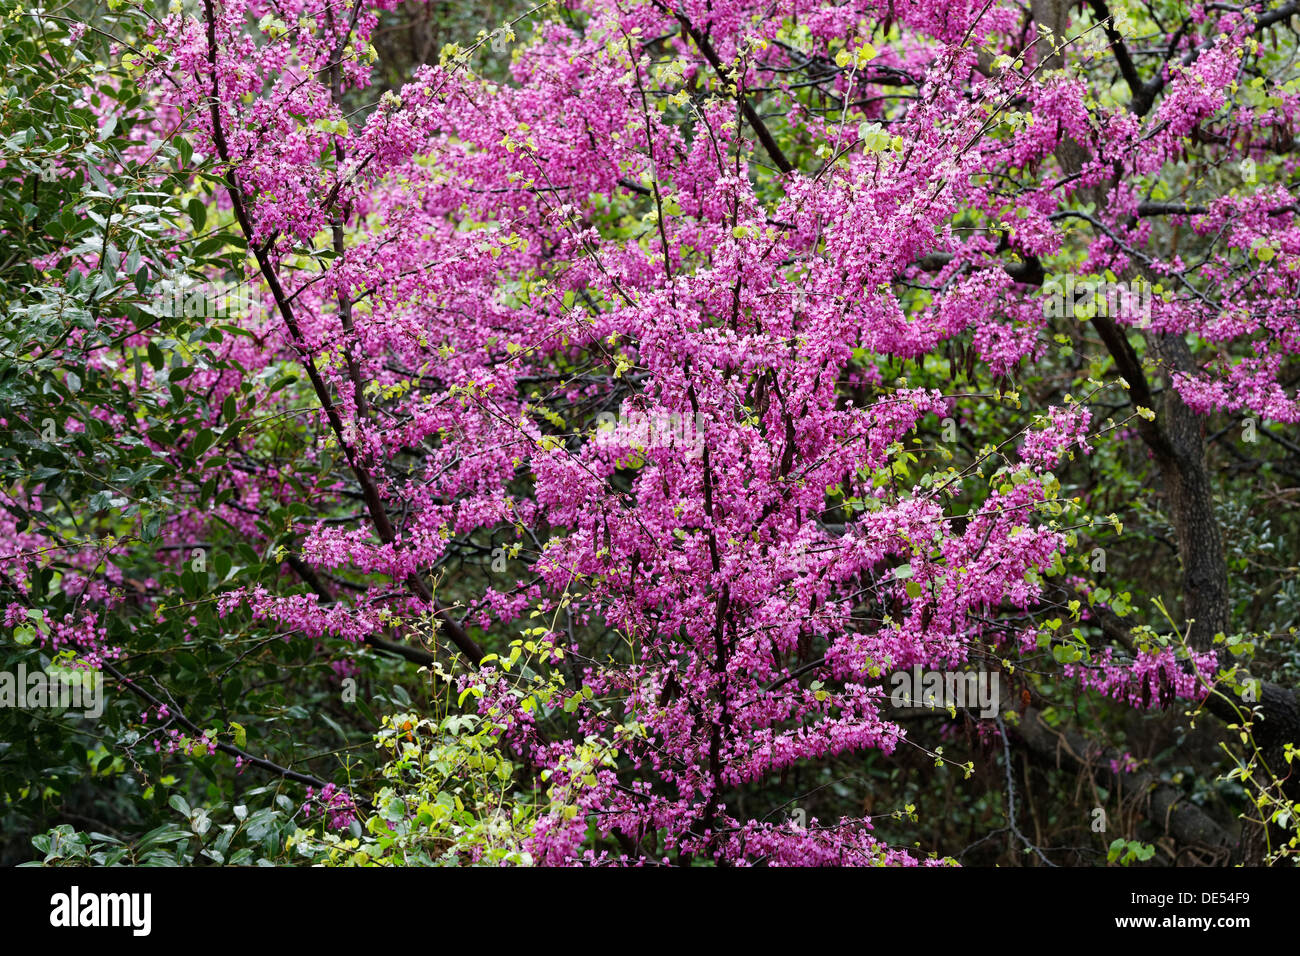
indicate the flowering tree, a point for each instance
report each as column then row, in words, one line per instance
column 659, row 378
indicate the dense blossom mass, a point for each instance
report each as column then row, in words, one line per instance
column 627, row 318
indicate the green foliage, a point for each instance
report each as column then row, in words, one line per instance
column 446, row 799
column 216, row 833
column 1125, row 852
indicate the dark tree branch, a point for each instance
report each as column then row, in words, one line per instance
column 370, row 492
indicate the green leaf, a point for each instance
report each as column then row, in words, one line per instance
column 202, row 442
